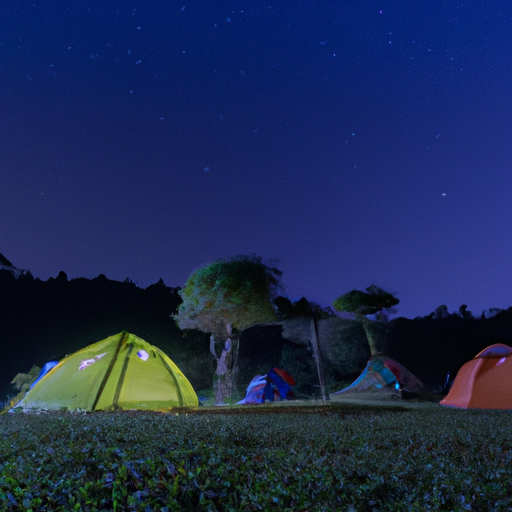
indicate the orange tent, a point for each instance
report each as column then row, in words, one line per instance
column 485, row 382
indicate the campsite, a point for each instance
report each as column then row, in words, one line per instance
column 118, row 408
column 253, row 256
column 42, row 321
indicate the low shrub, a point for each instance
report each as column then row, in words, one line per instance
column 323, row 458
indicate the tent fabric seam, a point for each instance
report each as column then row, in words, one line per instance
column 109, row 370
column 122, row 377
column 169, row 369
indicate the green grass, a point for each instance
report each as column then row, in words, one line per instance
column 346, row 457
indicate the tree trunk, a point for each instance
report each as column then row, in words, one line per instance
column 227, row 367
column 318, row 359
column 376, row 338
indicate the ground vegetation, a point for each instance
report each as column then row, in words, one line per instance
column 318, row 458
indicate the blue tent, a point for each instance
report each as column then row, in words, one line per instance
column 274, row 386
column 44, row 370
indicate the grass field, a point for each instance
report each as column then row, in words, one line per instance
column 314, row 457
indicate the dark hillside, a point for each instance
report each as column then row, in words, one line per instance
column 430, row 348
column 45, row 320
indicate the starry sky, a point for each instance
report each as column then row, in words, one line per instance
column 358, row 143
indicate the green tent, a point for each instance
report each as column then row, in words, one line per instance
column 119, row 372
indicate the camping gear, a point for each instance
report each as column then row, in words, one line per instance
column 274, row 386
column 484, row 382
column 384, row 375
column 120, row 372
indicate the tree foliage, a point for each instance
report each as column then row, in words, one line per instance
column 372, row 301
column 236, row 291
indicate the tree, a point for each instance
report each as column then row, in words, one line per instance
column 375, row 301
column 223, row 299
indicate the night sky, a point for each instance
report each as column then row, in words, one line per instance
column 355, row 142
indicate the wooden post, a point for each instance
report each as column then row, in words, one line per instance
column 318, row 359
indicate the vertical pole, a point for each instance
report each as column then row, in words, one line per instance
column 318, row 358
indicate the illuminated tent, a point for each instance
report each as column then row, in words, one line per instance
column 484, row 382
column 383, row 375
column 119, row 372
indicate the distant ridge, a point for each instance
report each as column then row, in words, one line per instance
column 6, row 265
column 4, row 262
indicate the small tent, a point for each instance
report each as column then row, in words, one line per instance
column 120, row 372
column 383, row 375
column 274, row 386
column 484, row 382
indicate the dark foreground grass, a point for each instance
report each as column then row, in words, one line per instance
column 321, row 458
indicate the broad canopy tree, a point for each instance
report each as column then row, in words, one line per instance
column 373, row 301
column 224, row 298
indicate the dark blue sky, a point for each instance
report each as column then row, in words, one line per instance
column 356, row 142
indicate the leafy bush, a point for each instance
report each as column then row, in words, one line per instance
column 298, row 362
column 261, row 458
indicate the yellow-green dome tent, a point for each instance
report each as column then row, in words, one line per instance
column 120, row 372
